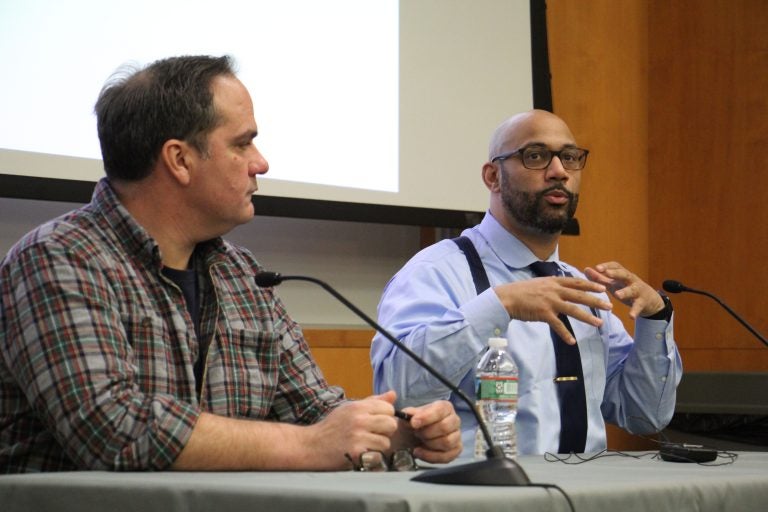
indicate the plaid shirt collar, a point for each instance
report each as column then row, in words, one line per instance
column 135, row 239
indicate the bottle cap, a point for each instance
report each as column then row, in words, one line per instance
column 497, row 342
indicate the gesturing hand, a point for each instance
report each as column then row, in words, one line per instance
column 544, row 298
column 632, row 291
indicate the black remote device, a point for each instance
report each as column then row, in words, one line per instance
column 687, row 453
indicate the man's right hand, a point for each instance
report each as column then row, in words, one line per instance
column 353, row 428
column 542, row 299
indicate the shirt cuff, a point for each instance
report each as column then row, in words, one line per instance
column 654, row 336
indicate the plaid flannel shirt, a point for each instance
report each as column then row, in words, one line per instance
column 97, row 347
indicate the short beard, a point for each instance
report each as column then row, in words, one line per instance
column 530, row 209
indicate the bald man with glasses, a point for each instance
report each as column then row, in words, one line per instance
column 579, row 368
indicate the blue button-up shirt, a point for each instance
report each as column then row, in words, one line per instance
column 432, row 306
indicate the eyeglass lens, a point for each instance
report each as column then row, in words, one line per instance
column 402, row 460
column 535, row 157
column 373, row 461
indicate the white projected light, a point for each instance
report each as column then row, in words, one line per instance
column 357, row 101
column 317, row 71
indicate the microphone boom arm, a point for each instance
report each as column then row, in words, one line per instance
column 732, row 312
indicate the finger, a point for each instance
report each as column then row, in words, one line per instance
column 379, row 404
column 635, row 310
column 374, row 425
column 445, row 451
column 445, row 443
column 562, row 331
column 576, row 283
column 596, row 276
column 582, row 315
column 646, row 306
column 371, row 442
column 627, row 294
column 362, row 432
column 572, row 298
column 619, row 273
column 388, row 396
column 436, row 420
column 431, row 413
column 608, row 266
column 370, row 414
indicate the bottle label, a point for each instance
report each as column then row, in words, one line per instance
column 497, row 388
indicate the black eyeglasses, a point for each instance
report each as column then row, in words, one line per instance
column 539, row 157
column 400, row 460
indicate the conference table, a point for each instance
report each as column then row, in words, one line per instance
column 638, row 482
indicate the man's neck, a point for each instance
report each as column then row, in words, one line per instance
column 175, row 256
column 541, row 244
column 166, row 225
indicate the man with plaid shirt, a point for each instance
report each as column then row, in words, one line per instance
column 133, row 337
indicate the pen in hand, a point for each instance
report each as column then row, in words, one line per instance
column 403, row 415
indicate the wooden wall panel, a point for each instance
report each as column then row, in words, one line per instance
column 343, row 356
column 708, row 119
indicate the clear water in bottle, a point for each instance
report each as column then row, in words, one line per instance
column 496, row 387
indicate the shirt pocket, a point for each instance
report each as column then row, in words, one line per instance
column 243, row 373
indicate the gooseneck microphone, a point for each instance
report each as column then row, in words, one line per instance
column 497, row 469
column 673, row 286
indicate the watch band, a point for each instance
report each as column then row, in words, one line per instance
column 664, row 313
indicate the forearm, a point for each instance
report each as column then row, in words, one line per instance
column 220, row 443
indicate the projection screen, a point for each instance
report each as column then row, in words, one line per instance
column 371, row 110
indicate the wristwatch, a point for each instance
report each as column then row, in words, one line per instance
column 664, row 313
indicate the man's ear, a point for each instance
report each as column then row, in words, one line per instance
column 176, row 157
column 491, row 177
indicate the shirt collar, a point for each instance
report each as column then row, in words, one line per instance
column 507, row 247
column 135, row 239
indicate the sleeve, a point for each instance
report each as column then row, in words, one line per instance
column 432, row 307
column 642, row 375
column 67, row 346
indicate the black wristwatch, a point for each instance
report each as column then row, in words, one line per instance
column 664, row 313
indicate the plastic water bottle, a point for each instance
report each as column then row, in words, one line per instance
column 496, row 385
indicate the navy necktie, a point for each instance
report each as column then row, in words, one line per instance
column 569, row 380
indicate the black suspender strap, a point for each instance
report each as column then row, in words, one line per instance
column 479, row 275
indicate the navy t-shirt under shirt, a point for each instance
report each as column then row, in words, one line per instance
column 187, row 281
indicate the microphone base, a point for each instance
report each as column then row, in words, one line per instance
column 500, row 471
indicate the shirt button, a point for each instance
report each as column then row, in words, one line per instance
column 659, row 335
column 497, row 331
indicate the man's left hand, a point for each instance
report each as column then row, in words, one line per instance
column 632, row 291
column 437, row 431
